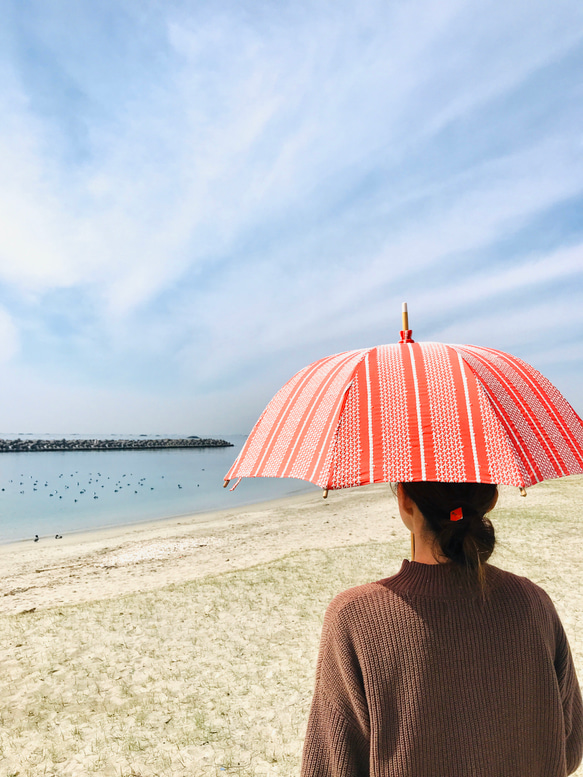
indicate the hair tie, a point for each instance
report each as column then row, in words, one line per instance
column 456, row 515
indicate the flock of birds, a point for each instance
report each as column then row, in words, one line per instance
column 73, row 489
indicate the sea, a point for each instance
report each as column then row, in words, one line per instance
column 54, row 493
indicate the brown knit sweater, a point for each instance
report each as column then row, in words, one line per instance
column 420, row 676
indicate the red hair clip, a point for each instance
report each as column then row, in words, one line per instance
column 456, row 515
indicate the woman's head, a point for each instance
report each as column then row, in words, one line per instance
column 468, row 540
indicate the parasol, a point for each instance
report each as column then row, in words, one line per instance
column 415, row 412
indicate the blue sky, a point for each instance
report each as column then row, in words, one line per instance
column 198, row 199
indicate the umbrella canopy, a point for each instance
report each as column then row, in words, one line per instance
column 415, row 412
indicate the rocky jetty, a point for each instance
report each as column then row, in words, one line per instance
column 24, row 446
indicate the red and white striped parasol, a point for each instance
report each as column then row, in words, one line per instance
column 414, row 412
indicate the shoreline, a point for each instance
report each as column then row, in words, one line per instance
column 99, row 564
column 103, row 563
column 256, row 505
column 159, row 519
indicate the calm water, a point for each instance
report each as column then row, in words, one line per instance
column 55, row 493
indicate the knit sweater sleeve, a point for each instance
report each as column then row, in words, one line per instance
column 338, row 732
column 571, row 699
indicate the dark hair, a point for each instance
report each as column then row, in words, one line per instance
column 468, row 542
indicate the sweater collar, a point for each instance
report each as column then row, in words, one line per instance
column 441, row 581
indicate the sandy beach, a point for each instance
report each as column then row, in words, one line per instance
column 188, row 646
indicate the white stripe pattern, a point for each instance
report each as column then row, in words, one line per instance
column 312, row 431
column 331, row 429
column 418, row 408
column 470, row 419
column 369, row 407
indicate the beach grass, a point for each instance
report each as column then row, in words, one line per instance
column 214, row 676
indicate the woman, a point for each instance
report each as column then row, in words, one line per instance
column 450, row 668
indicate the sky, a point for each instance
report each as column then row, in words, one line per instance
column 197, row 199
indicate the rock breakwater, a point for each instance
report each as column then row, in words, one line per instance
column 24, row 446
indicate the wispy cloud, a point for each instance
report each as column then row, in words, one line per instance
column 200, row 199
